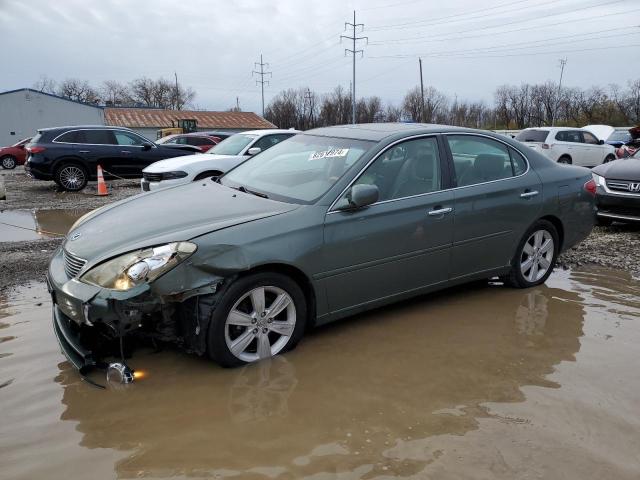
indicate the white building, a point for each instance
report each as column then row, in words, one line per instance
column 24, row 111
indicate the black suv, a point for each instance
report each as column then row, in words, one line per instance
column 70, row 155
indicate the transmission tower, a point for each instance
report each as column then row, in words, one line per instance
column 354, row 53
column 262, row 74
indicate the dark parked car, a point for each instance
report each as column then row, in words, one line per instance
column 618, row 190
column 202, row 141
column 13, row 155
column 325, row 224
column 70, row 155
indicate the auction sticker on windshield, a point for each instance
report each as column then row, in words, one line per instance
column 331, row 153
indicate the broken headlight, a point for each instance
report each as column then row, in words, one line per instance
column 142, row 266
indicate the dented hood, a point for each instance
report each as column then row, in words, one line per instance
column 169, row 215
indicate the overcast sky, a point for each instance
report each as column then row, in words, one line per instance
column 468, row 46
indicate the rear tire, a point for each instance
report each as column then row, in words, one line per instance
column 71, row 177
column 565, row 159
column 535, row 256
column 8, row 162
column 244, row 327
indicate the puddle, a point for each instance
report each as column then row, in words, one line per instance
column 22, row 225
column 476, row 382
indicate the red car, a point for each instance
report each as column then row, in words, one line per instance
column 202, row 141
column 13, row 155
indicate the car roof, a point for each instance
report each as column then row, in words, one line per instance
column 269, row 131
column 380, row 131
column 80, row 127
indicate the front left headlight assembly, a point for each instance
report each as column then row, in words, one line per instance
column 142, row 266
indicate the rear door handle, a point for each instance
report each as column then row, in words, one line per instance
column 84, row 151
column 126, row 152
column 440, row 211
column 529, row 194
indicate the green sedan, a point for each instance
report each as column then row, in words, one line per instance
column 326, row 224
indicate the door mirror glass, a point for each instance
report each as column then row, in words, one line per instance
column 361, row 195
column 254, row 151
column 600, row 142
column 146, row 146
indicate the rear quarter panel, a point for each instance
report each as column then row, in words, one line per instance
column 565, row 198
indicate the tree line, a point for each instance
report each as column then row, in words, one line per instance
column 141, row 92
column 514, row 107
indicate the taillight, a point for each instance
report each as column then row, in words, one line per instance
column 545, row 146
column 590, row 187
column 35, row 149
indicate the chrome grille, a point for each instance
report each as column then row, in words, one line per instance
column 152, row 177
column 72, row 264
column 623, row 186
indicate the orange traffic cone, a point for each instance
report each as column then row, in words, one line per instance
column 102, row 187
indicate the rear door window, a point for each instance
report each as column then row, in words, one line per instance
column 480, row 159
column 573, row 136
column 99, row 137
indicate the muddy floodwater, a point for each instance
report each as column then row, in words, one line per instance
column 480, row 382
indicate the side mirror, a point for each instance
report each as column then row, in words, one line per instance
column 362, row 195
column 146, row 146
column 600, row 142
column 254, row 151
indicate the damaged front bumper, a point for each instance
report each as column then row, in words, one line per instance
column 88, row 320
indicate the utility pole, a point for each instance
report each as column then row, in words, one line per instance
column 421, row 92
column 563, row 62
column 309, row 98
column 262, row 81
column 177, row 91
column 353, row 52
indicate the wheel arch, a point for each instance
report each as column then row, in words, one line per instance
column 71, row 159
column 565, row 155
column 206, row 174
column 296, row 275
column 557, row 223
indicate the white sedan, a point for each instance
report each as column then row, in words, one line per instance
column 220, row 159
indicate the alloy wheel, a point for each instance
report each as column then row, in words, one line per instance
column 260, row 323
column 72, row 177
column 8, row 163
column 537, row 255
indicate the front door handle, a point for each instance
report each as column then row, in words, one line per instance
column 529, row 194
column 440, row 211
column 84, row 151
column 126, row 152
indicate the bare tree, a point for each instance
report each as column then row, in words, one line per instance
column 116, row 94
column 412, row 104
column 45, row 84
column 392, row 114
column 78, row 90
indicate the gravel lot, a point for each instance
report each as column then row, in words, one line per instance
column 616, row 247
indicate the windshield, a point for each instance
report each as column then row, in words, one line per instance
column 532, row 135
column 167, row 139
column 24, row 141
column 300, row 169
column 232, row 145
column 619, row 136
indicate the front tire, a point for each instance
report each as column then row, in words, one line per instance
column 609, row 158
column 9, row 162
column 535, row 256
column 258, row 316
column 71, row 177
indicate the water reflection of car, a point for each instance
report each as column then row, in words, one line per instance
column 218, row 160
column 618, row 190
column 355, row 218
column 14, row 155
column 482, row 345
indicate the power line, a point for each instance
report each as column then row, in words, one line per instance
column 262, row 81
column 354, row 53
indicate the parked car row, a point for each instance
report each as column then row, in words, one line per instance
column 14, row 155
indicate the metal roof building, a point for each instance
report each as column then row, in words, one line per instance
column 24, row 111
column 146, row 121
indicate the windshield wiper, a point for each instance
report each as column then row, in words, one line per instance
column 244, row 189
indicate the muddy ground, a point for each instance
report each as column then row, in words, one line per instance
column 616, row 247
